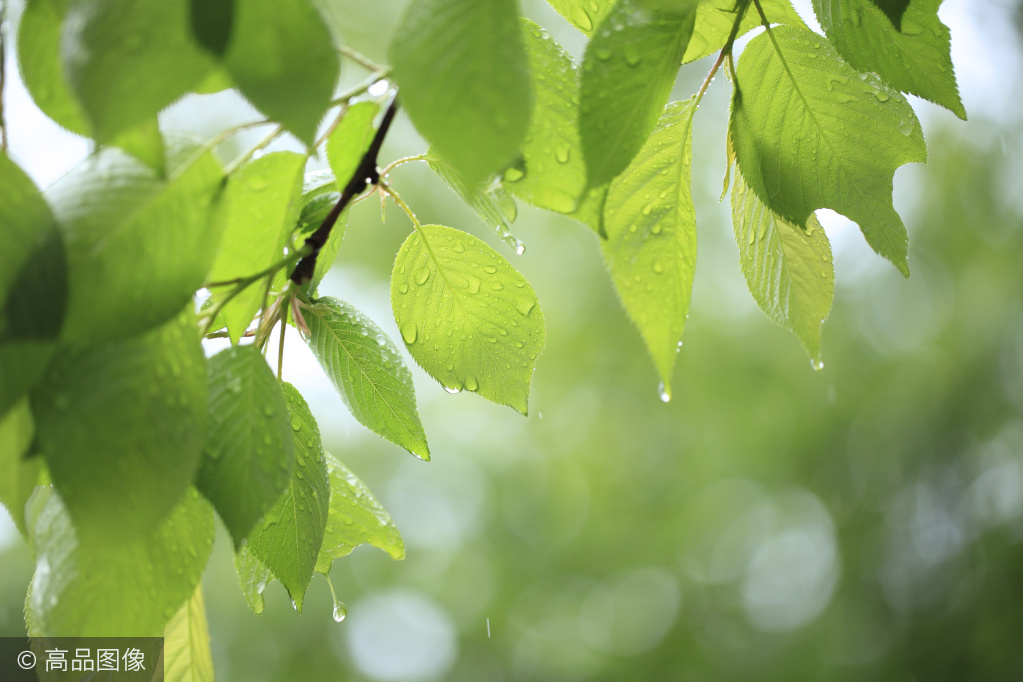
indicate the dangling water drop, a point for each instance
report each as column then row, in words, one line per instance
column 663, row 391
column 340, row 611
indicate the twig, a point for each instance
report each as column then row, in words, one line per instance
column 360, row 59
column 726, row 51
column 365, row 175
column 236, row 163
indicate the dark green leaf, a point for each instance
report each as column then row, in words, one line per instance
column 466, row 315
column 126, row 60
column 256, row 213
column 288, row 539
column 282, row 58
column 212, row 21
column 368, row 372
column 651, row 237
column 186, row 643
column 916, row 59
column 128, row 590
column 132, row 412
column 464, row 80
column 138, row 246
column 788, row 268
column 18, row 475
column 894, row 10
column 350, row 140
column 248, row 456
column 811, row 132
column 355, row 518
column 628, row 71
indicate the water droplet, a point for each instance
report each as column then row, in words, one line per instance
column 633, row 227
column 422, row 277
column 632, row 55
column 656, row 228
column 340, row 611
column 563, row 153
column 520, row 249
column 490, row 269
column 664, row 393
column 881, row 96
column 816, row 364
column 603, row 53
column 294, row 605
column 525, row 307
column 657, row 267
column 403, row 288
column 410, row 333
column 452, row 390
column 582, row 19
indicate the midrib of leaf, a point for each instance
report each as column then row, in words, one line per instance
column 455, row 296
column 351, row 361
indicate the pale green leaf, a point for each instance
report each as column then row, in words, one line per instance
column 585, row 15
column 126, row 590
column 186, row 643
column 464, row 80
column 368, row 372
column 282, row 58
column 256, row 213
column 288, row 538
column 628, row 72
column 651, row 237
column 916, row 59
column 810, row 132
column 33, row 283
column 145, row 142
column 466, row 315
column 18, row 475
column 253, row 577
column 248, row 456
column 131, row 412
column 715, row 18
column 788, row 269
column 126, row 60
column 350, row 140
column 355, row 518
column 137, row 246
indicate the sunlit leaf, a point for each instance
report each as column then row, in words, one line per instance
column 715, row 18
column 186, row 643
column 253, row 577
column 350, row 140
column 477, row 197
column 585, row 15
column 18, row 475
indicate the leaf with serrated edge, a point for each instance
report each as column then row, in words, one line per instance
column 355, row 518
column 256, row 213
column 714, row 20
column 788, row 269
column 651, row 237
column 811, row 132
column 283, row 60
column 464, row 80
column 137, row 246
column 126, row 60
column 350, row 140
column 186, row 643
column 18, row 475
column 134, row 410
column 126, row 590
column 628, row 71
column 288, row 538
column 33, row 284
column 466, row 315
column 367, row 371
column 248, row 456
column 916, row 59
column 895, row 10
column 585, row 15
column 483, row 203
column 253, row 577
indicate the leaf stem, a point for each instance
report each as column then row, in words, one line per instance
column 362, row 87
column 405, row 207
column 360, row 59
column 235, row 164
column 726, row 51
column 405, row 159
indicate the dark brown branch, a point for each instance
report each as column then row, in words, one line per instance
column 365, row 176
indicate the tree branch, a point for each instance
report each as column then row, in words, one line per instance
column 365, row 175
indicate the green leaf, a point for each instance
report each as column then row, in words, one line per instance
column 628, row 71
column 811, row 132
column 553, row 175
column 355, row 518
column 894, row 10
column 466, row 315
column 916, row 59
column 788, row 269
column 212, row 23
column 288, row 539
column 18, row 475
column 126, row 60
column 256, row 213
column 483, row 200
column 138, row 246
column 33, row 284
column 145, row 142
column 41, row 70
column 128, row 590
column 186, row 643
column 368, row 372
column 247, row 460
column 350, row 140
column 714, row 20
column 253, row 577
column 121, row 426
column 585, row 15
column 464, row 80
column 283, row 60
column 651, row 237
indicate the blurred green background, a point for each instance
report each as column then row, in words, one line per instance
column 770, row 523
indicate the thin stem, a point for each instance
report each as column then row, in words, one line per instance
column 234, row 165
column 360, row 59
column 220, row 137
column 3, row 74
column 401, row 202
column 280, row 347
column 726, row 51
column 332, row 127
column 405, row 159
column 362, row 87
